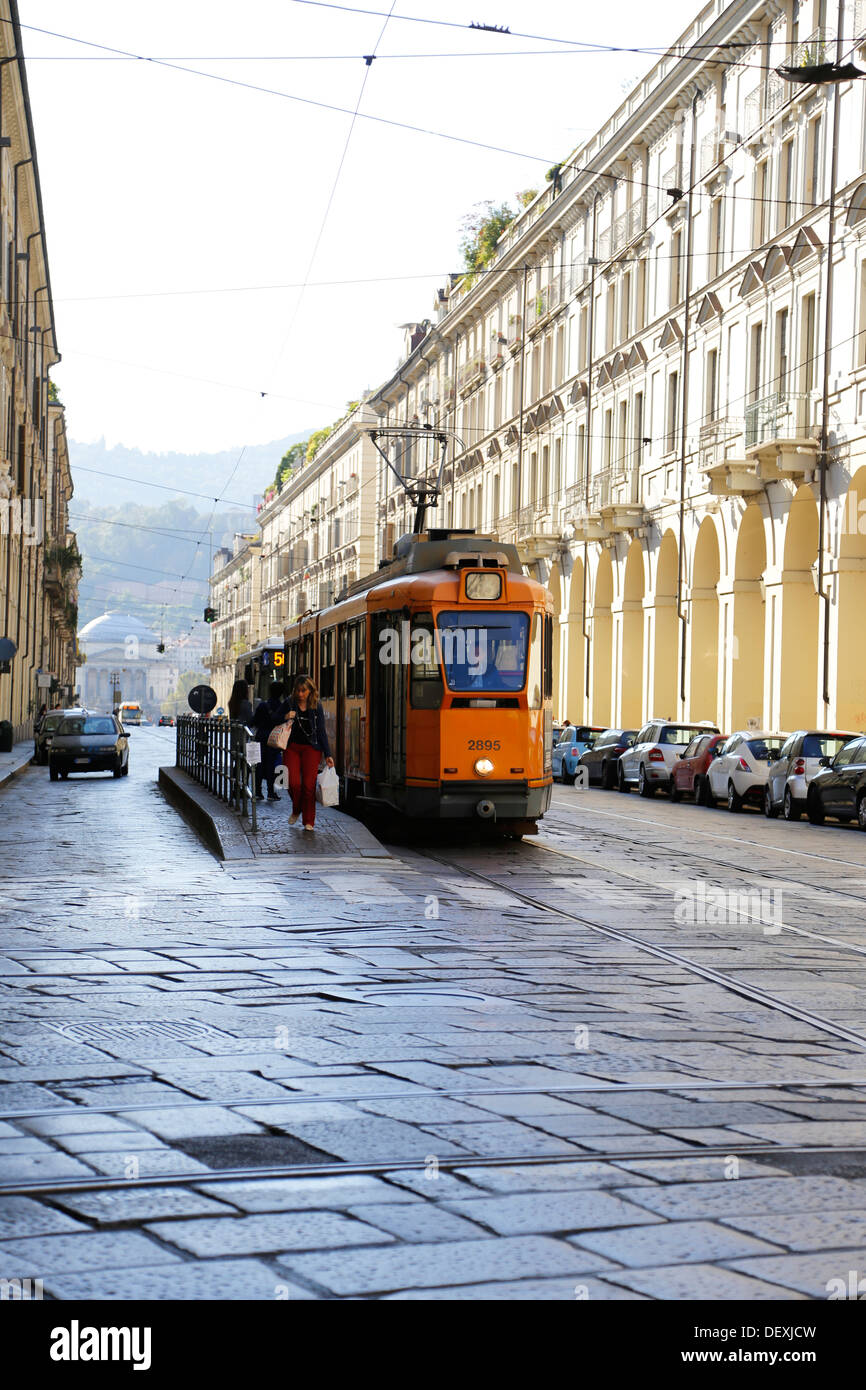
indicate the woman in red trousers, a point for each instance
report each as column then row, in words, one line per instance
column 308, row 744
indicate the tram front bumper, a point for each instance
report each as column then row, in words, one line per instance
column 508, row 800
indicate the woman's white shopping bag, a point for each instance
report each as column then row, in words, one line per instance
column 328, row 787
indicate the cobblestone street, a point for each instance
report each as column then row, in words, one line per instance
column 624, row 1060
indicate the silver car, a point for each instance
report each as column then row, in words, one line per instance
column 800, row 758
column 649, row 763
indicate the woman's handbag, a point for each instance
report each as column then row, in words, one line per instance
column 328, row 787
column 279, row 736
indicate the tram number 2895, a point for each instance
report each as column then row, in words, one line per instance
column 483, row 745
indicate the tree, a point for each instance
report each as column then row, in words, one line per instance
column 176, row 702
column 482, row 228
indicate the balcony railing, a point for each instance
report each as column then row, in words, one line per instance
column 471, row 372
column 818, row 48
column 764, row 102
column 672, row 177
column 496, row 351
column 543, row 303
column 717, row 440
column 710, row 153
column 780, row 415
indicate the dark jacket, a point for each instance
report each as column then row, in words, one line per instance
column 318, row 737
column 268, row 713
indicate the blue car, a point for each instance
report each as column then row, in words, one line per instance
column 573, row 741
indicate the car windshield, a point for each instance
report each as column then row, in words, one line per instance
column 94, row 724
column 484, row 650
column 822, row 745
column 764, row 749
column 676, row 734
column 51, row 721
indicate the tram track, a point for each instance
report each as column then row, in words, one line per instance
column 447, row 1163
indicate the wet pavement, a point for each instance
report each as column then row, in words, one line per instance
column 623, row 1061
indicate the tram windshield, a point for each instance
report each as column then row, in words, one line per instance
column 484, row 651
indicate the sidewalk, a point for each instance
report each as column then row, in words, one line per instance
column 229, row 835
column 13, row 763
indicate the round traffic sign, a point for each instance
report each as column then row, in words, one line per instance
column 202, row 699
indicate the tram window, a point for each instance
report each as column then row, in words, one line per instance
column 291, row 658
column 425, row 683
column 533, row 685
column 484, row 650
column 327, row 665
column 548, row 657
column 355, row 682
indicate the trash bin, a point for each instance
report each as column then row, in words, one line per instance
column 6, row 736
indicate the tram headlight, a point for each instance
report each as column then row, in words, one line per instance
column 484, row 767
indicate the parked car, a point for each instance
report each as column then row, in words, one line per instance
column 838, row 789
column 601, row 759
column 573, row 741
column 650, row 762
column 798, row 762
column 738, row 772
column 89, row 742
column 166, row 720
column 690, row 769
column 48, row 728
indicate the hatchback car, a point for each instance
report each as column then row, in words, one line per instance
column 601, row 759
column 738, row 772
column 573, row 741
column 48, row 728
column 838, row 789
column 89, row 742
column 798, row 762
column 650, row 762
column 165, row 721
column 690, row 769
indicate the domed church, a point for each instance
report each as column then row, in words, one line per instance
column 122, row 652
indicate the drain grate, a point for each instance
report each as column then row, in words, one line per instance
column 132, row 1030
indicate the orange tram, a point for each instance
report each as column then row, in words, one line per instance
column 435, row 677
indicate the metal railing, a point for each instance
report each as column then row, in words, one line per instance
column 470, row 372
column 780, row 415
column 543, row 303
column 213, row 751
column 765, row 101
column 716, row 438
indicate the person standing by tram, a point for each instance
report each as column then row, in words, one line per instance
column 307, row 746
column 268, row 714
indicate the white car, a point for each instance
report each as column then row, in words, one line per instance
column 739, row 771
column 649, row 763
column 799, row 760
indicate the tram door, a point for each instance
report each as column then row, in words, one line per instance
column 388, row 700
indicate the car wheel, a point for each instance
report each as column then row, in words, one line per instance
column 117, row 771
column 703, row 796
column 566, row 778
column 125, row 770
column 673, row 791
column 735, row 801
column 64, row 775
column 645, row 787
column 53, row 774
column 771, row 810
column 814, row 809
column 621, row 783
column 791, row 808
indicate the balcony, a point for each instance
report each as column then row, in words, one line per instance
column 722, row 459
column 782, row 438
column 608, row 508
column 764, row 102
column 470, row 374
column 711, row 153
column 496, row 351
column 542, row 304
column 537, row 535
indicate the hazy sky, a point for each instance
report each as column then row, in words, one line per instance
column 184, row 212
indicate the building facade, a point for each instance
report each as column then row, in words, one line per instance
column 657, row 390
column 122, row 662
column 235, row 595
column 635, row 387
column 39, row 566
